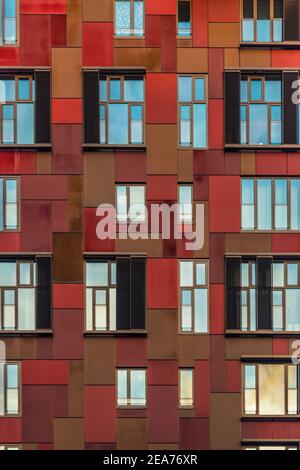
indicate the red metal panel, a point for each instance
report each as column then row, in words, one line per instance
column 153, row 31
column 280, row 346
column 216, row 309
column 36, row 223
column 233, row 376
column 161, row 188
column 293, row 164
column 10, row 242
column 284, row 59
column 9, row 56
column 217, row 363
column 168, row 44
column 60, row 216
column 53, row 7
column 271, row 164
column 44, row 372
column 91, row 241
column 163, row 414
column 216, row 73
column 224, row 203
column 67, row 149
column 44, row 187
column 100, row 408
column 130, row 167
column 202, row 388
column 286, row 243
column 67, row 111
column 161, row 98
column 162, row 373
column 217, row 12
column 58, row 30
column 200, row 23
column 68, row 341
column 216, row 124
column 131, row 352
column 26, row 162
column 162, row 283
column 35, row 30
column 94, row 35
column 194, row 434
column 157, row 7
column 10, row 430
column 67, row 296
column 209, row 162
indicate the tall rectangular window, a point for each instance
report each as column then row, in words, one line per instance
column 184, row 27
column 131, row 203
column 261, row 111
column 271, row 389
column 9, row 389
column 262, row 21
column 192, row 112
column 129, row 18
column 17, row 110
column 193, row 296
column 121, row 110
column 186, row 388
column 9, row 217
column 248, row 296
column 270, row 204
column 131, row 387
column 8, row 20
column 185, row 200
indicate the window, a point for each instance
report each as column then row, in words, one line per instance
column 248, row 295
column 270, row 204
column 8, row 22
column 9, row 217
column 260, row 112
column 18, row 295
column 184, row 28
column 272, row 447
column 129, row 17
column 186, row 387
column 271, row 389
column 10, row 447
column 185, row 197
column 262, row 21
column 17, row 110
column 9, row 389
column 131, row 202
column 121, row 110
column 115, row 294
column 131, row 387
column 192, row 112
column 193, row 296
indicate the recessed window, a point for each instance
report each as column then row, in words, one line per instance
column 10, row 447
column 121, row 110
column 9, row 389
column 185, row 199
column 272, row 447
column 270, row 204
column 9, row 217
column 261, row 111
column 193, row 279
column 262, row 21
column 131, row 387
column 184, row 27
column 186, row 387
column 131, row 201
column 129, row 18
column 8, row 29
column 192, row 112
column 271, row 389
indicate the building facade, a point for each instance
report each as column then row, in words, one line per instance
column 144, row 344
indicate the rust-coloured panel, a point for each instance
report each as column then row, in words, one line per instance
column 75, row 391
column 68, row 433
column 248, row 163
column 43, row 162
column 100, row 361
column 186, row 350
column 99, row 178
column 161, row 149
column 237, row 347
column 75, row 197
column 255, row 58
column 136, row 56
column 74, row 23
column 29, row 348
column 131, row 433
column 66, row 73
column 225, row 409
column 192, row 60
column 162, row 334
column 244, row 243
column 185, row 166
column 152, row 248
column 224, row 34
column 67, row 247
column 93, row 10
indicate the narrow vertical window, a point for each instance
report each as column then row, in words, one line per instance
column 186, row 386
column 131, row 387
column 129, row 18
column 250, row 400
column 9, row 219
column 184, row 18
column 264, row 204
column 185, row 203
column 8, row 22
column 248, row 204
column 131, row 201
column 9, row 389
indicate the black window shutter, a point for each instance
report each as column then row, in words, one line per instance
column 138, row 282
column 264, row 293
column 44, row 289
column 291, row 20
column 290, row 123
column 91, row 107
column 42, row 107
column 123, row 293
column 233, row 285
column 232, row 107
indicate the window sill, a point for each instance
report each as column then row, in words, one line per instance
column 262, row 333
column 42, row 147
column 26, row 333
column 270, row 418
column 271, row 45
column 105, row 148
column 116, row 333
column 267, row 148
column 129, row 408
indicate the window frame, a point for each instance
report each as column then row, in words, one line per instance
column 187, row 37
column 18, row 204
column 128, row 187
column 180, row 404
column 191, row 104
column 128, row 383
column 5, row 388
column 272, row 42
column 181, row 219
column 131, row 35
column 16, row 43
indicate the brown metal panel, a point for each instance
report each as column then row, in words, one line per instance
column 202, row 347
column 75, row 196
column 66, row 72
column 93, row 10
column 237, row 347
column 185, row 166
column 29, row 348
column 162, row 149
column 153, row 248
column 204, row 252
column 160, row 446
column 74, row 23
column 100, row 361
column 224, row 34
column 248, row 243
column 68, row 433
column 131, row 433
column 13, row 348
column 186, row 350
column 254, row 58
column 137, row 56
column 225, row 409
column 129, row 42
column 162, row 334
column 248, row 163
column 193, row 60
column 99, row 178
column 43, row 163
column 67, row 247
column 76, row 389
column 231, row 58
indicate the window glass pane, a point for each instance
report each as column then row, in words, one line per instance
column 112, row 309
column 24, row 88
column 292, row 272
column 281, row 204
column 100, row 317
column 201, row 273
column 133, row 89
column 256, row 90
column 292, row 376
column 10, row 30
column 200, row 138
column 199, row 89
column 26, row 309
column 118, row 124
column 10, row 90
column 115, row 89
column 103, row 89
column 184, row 18
column 1, row 389
column 1, row 204
column 113, row 273
column 277, row 30
column 185, row 89
column 8, row 134
column 248, row 30
column 278, row 274
column 273, row 91
column 25, row 123
column 185, row 202
column 25, row 273
column 102, row 124
column 264, row 202
column 11, row 214
column 122, row 387
column 122, row 17
column 244, row 91
column 122, row 209
column 201, row 309
column 137, row 203
column 252, row 309
column 136, row 125
column 293, row 309
column 11, row 190
column 96, row 274
column 89, row 309
column 12, row 397
column 247, row 191
column 245, row 274
column 138, row 19
column 271, row 389
column 186, row 274
column 186, row 387
column 258, row 121
column 8, row 274
column 295, row 204
column 185, row 125
column 250, row 376
column 247, row 8
column 263, row 30
column 138, row 387
column 10, row 9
